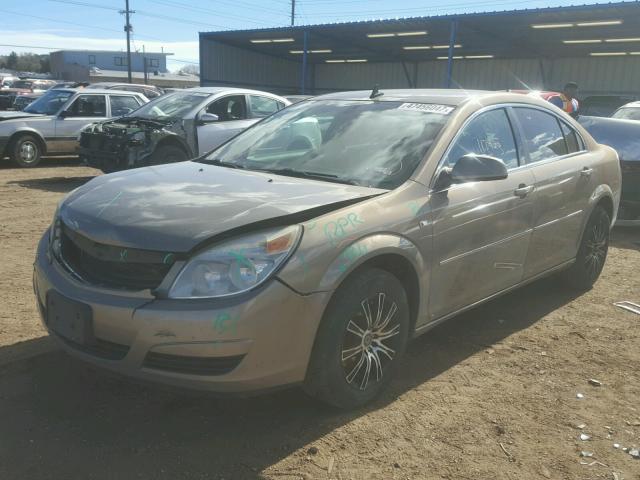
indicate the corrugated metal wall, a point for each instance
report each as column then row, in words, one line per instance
column 226, row 65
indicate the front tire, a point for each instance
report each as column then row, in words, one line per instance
column 362, row 337
column 26, row 151
column 592, row 252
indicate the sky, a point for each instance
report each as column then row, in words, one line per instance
column 173, row 25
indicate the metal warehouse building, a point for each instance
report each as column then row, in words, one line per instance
column 596, row 45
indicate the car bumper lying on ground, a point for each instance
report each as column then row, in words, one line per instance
column 259, row 342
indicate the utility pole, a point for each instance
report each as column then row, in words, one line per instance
column 293, row 12
column 128, row 28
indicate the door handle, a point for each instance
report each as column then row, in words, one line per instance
column 586, row 172
column 523, row 190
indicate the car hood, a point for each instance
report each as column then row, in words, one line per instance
column 178, row 206
column 8, row 115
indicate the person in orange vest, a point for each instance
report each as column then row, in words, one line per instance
column 567, row 100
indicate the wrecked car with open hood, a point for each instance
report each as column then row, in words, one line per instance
column 311, row 247
column 175, row 127
column 50, row 125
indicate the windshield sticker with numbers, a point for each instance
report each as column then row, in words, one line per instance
column 427, row 107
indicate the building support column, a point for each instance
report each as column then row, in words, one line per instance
column 452, row 46
column 303, row 75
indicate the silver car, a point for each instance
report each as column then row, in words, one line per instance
column 51, row 124
column 310, row 248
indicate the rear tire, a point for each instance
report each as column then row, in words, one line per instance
column 362, row 338
column 26, row 151
column 592, row 252
column 167, row 154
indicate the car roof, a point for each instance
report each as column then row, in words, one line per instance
column 114, row 84
column 96, row 91
column 453, row 97
column 215, row 90
column 631, row 105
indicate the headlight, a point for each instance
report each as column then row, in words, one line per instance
column 237, row 265
column 137, row 137
column 55, row 241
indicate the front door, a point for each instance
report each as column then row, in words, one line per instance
column 85, row 109
column 562, row 171
column 232, row 119
column 481, row 230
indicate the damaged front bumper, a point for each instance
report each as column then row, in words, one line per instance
column 111, row 153
column 256, row 342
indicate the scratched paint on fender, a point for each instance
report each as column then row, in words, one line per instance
column 224, row 323
column 336, row 230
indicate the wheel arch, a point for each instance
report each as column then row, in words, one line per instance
column 175, row 141
column 394, row 254
column 21, row 133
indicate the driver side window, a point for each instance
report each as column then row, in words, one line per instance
column 229, row 108
column 489, row 134
column 88, row 106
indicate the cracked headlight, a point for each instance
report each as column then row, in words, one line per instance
column 137, row 137
column 237, row 265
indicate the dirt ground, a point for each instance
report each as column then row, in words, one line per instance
column 489, row 395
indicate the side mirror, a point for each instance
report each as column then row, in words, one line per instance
column 208, row 118
column 478, row 168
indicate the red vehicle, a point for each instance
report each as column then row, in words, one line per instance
column 22, row 87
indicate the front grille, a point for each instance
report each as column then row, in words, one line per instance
column 99, row 348
column 191, row 365
column 111, row 266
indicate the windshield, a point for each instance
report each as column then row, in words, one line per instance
column 49, row 103
column 628, row 113
column 367, row 143
column 175, row 105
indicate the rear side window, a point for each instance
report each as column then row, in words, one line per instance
column 150, row 93
column 490, row 134
column 122, row 105
column 571, row 137
column 542, row 134
column 262, row 106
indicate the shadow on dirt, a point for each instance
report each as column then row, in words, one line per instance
column 626, row 237
column 63, row 419
column 46, row 162
column 55, row 184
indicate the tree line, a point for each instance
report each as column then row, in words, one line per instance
column 26, row 62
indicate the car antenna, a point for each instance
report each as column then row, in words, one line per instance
column 375, row 93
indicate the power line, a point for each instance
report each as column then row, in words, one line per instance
column 93, row 27
column 185, row 6
column 84, row 4
column 422, row 10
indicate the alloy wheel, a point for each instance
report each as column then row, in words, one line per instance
column 596, row 248
column 369, row 342
column 28, row 152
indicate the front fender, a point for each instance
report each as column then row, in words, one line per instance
column 307, row 275
column 352, row 255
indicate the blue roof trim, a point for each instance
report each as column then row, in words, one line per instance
column 390, row 21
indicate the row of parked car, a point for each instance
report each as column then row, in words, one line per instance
column 16, row 93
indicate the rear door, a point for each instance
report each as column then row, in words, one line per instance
column 563, row 180
column 84, row 109
column 481, row 230
column 232, row 119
